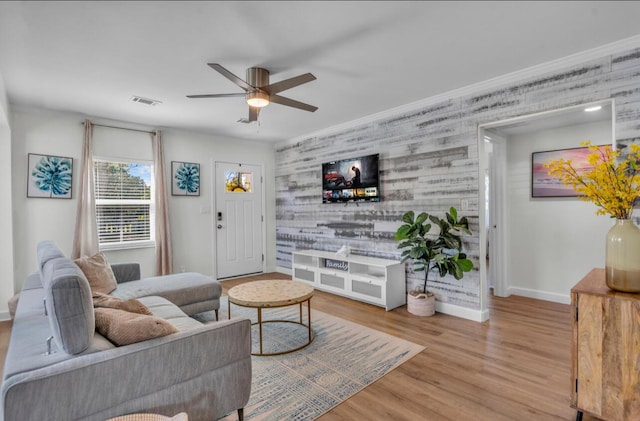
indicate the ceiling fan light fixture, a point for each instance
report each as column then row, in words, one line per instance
column 257, row 99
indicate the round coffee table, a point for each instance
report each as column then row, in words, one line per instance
column 272, row 294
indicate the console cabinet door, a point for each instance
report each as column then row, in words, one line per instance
column 608, row 356
column 371, row 290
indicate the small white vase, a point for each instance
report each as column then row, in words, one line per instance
column 421, row 304
column 623, row 257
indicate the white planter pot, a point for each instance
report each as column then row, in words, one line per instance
column 421, row 304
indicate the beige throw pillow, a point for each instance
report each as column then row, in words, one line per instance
column 132, row 305
column 98, row 273
column 124, row 328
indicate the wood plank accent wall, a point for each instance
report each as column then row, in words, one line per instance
column 429, row 162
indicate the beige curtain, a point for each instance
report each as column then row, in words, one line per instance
column 164, row 258
column 85, row 240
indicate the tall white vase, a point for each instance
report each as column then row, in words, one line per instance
column 623, row 256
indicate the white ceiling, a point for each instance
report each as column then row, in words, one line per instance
column 91, row 57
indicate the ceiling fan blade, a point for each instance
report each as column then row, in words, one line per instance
column 233, row 78
column 283, row 85
column 253, row 113
column 217, row 96
column 291, row 103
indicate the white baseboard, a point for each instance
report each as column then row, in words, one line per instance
column 463, row 312
column 286, row 271
column 4, row 316
column 445, row 308
column 540, row 295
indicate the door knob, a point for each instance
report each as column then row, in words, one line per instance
column 219, row 226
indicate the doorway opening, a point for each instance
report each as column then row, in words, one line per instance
column 537, row 247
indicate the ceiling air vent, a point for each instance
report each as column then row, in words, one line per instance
column 145, row 101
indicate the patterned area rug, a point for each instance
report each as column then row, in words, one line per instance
column 343, row 359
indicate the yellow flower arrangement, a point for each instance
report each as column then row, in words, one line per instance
column 612, row 186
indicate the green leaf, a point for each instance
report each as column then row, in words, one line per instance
column 407, row 218
column 434, row 219
column 457, row 272
column 401, row 233
column 465, row 264
column 424, row 229
column 454, row 213
column 452, row 242
column 405, row 244
column 422, row 217
column 417, row 252
column 444, row 226
column 450, row 219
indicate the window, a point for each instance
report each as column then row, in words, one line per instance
column 125, row 210
column 238, row 181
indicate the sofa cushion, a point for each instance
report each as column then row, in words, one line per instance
column 98, row 273
column 163, row 308
column 132, row 305
column 182, row 289
column 124, row 328
column 69, row 305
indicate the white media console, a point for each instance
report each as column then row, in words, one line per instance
column 369, row 279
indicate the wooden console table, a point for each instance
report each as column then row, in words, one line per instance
column 605, row 369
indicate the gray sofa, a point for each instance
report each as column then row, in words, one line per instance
column 203, row 370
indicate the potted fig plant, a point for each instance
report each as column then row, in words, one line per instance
column 440, row 251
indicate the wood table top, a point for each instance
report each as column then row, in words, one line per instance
column 270, row 293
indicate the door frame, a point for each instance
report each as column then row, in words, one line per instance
column 482, row 166
column 263, row 210
column 502, row 269
column 498, row 202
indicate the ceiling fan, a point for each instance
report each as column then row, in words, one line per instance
column 258, row 92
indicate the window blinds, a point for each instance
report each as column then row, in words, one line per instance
column 123, row 201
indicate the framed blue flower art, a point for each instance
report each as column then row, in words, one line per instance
column 49, row 176
column 185, row 179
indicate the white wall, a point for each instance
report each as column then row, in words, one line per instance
column 6, row 244
column 192, row 217
column 38, row 131
column 553, row 242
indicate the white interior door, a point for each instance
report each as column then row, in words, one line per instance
column 238, row 219
column 498, row 258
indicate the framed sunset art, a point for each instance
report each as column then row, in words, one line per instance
column 545, row 185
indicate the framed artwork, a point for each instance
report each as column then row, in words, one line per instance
column 185, row 179
column 545, row 185
column 49, row 176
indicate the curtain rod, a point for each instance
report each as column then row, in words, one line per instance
column 121, row 128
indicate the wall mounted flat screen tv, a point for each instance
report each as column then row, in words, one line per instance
column 351, row 180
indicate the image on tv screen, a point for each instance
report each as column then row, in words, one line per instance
column 354, row 179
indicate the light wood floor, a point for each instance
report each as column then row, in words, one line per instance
column 514, row 367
